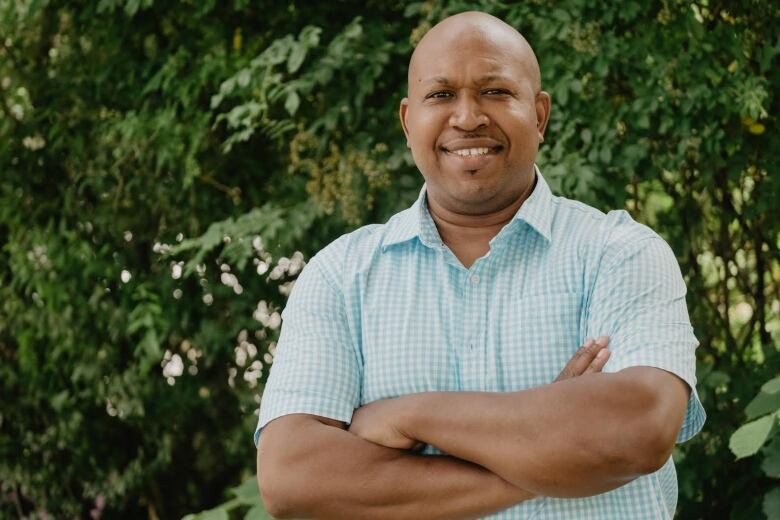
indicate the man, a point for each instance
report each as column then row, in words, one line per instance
column 445, row 327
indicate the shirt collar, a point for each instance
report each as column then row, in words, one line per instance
column 416, row 221
column 537, row 210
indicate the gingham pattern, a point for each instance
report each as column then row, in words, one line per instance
column 388, row 310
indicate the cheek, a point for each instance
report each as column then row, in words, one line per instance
column 424, row 129
column 522, row 132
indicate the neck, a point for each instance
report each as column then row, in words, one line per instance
column 458, row 228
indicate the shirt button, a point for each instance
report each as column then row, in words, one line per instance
column 475, row 279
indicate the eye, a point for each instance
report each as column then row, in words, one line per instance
column 439, row 94
column 496, row 92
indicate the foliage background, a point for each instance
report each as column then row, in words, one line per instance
column 167, row 167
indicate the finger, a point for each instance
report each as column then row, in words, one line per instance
column 587, row 354
column 598, row 362
column 579, row 361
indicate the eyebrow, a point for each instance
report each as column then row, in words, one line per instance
column 441, row 80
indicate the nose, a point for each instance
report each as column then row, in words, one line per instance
column 468, row 115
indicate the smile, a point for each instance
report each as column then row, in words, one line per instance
column 472, row 152
column 472, row 148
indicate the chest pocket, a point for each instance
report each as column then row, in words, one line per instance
column 538, row 335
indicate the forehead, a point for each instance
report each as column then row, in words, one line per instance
column 472, row 54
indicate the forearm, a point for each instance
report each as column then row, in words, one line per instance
column 577, row 437
column 323, row 472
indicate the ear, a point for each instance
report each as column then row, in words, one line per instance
column 402, row 111
column 543, row 106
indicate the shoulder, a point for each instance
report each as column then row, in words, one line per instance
column 628, row 239
column 353, row 251
column 615, row 226
column 612, row 237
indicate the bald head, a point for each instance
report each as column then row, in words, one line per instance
column 444, row 38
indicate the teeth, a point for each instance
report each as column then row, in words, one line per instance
column 471, row 152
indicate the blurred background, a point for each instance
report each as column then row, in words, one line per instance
column 167, row 168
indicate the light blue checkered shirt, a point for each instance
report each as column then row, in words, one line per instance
column 388, row 310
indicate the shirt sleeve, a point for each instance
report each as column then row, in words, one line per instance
column 315, row 368
column 638, row 301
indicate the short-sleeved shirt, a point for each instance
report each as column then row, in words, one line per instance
column 388, row 310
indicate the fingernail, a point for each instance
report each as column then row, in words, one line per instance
column 602, row 353
column 603, row 340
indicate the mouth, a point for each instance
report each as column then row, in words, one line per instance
column 477, row 151
column 471, row 155
column 472, row 148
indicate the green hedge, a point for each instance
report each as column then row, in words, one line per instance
column 166, row 168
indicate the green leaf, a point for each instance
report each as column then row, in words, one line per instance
column 772, row 504
column 310, row 36
column 772, row 386
column 257, row 513
column 716, row 378
column 248, row 493
column 292, row 102
column 586, row 135
column 763, row 404
column 771, row 463
column 295, row 60
column 244, row 77
column 59, row 400
column 750, row 437
column 212, row 514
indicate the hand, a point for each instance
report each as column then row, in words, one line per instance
column 589, row 358
column 379, row 422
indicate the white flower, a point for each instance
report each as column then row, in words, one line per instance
column 34, row 142
column 257, row 243
column 174, row 367
column 274, row 321
column 17, row 111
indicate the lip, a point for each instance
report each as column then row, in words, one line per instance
column 471, row 163
column 464, row 143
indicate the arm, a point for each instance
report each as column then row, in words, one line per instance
column 578, row 437
column 590, row 434
column 310, row 467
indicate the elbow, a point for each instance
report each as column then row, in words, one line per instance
column 277, row 500
column 654, row 446
column 274, row 505
column 272, row 500
column 661, row 406
column 651, row 461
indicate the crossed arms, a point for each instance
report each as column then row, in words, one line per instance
column 586, row 433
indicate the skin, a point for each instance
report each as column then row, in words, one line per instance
column 312, row 467
column 474, row 83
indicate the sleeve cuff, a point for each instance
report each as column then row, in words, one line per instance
column 695, row 415
column 278, row 403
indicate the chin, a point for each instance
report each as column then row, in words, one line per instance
column 474, row 196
